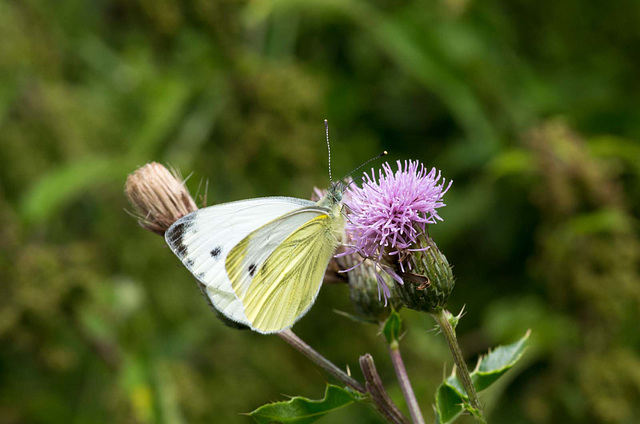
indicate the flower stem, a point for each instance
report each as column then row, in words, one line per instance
column 462, row 370
column 297, row 343
column 381, row 399
column 405, row 384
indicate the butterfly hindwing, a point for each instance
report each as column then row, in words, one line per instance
column 277, row 286
column 204, row 238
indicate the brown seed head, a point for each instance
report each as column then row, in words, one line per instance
column 158, row 196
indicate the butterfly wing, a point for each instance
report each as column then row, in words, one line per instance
column 204, row 238
column 278, row 286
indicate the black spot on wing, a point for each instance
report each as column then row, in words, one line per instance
column 189, row 262
column 175, row 238
column 215, row 252
column 177, row 233
column 252, row 269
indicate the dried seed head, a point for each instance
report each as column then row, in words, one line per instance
column 158, row 196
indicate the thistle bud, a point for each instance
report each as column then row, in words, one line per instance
column 366, row 287
column 430, row 282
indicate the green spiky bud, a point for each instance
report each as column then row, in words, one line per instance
column 429, row 283
column 364, row 288
column 365, row 295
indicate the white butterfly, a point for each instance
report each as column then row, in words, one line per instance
column 261, row 261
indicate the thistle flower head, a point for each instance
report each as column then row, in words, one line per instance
column 389, row 212
column 387, row 222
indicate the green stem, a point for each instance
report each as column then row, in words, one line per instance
column 462, row 371
column 405, row 384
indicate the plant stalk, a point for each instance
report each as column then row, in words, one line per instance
column 297, row 343
column 381, row 399
column 405, row 384
column 462, row 371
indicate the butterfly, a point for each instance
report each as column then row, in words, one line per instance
column 261, row 261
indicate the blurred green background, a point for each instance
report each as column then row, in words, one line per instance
column 532, row 108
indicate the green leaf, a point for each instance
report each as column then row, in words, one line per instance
column 449, row 404
column 454, row 384
column 392, row 326
column 497, row 362
column 61, row 185
column 451, row 398
column 301, row 410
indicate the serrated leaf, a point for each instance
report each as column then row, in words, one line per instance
column 301, row 410
column 392, row 326
column 449, row 404
column 451, row 398
column 497, row 362
column 454, row 383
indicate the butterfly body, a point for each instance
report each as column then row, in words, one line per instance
column 261, row 261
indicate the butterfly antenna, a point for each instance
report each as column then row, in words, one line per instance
column 384, row 153
column 326, row 130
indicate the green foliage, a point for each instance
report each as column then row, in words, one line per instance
column 392, row 327
column 60, row 186
column 449, row 404
column 497, row 362
column 451, row 398
column 300, row 410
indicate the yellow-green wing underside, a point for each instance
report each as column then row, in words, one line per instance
column 284, row 285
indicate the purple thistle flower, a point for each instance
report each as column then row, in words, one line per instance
column 389, row 212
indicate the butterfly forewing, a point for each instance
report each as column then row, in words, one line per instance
column 277, row 289
column 203, row 239
column 247, row 258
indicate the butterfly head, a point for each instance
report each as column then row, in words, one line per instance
column 334, row 197
column 336, row 192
